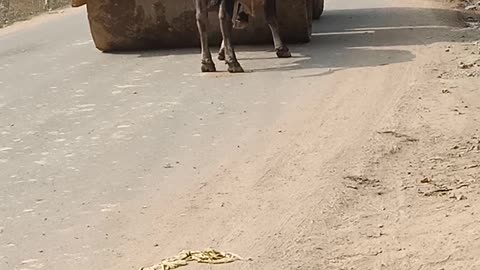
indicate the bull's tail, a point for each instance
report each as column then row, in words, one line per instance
column 214, row 3
column 240, row 14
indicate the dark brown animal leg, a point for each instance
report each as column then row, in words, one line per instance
column 221, row 53
column 202, row 23
column 226, row 25
column 271, row 16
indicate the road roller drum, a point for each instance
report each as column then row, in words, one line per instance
column 152, row 24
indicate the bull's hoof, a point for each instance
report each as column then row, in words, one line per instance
column 208, row 67
column 283, row 52
column 221, row 55
column 235, row 67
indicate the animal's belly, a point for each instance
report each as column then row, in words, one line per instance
column 252, row 2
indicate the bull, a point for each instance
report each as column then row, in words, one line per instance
column 227, row 16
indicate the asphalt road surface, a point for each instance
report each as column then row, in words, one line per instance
column 115, row 161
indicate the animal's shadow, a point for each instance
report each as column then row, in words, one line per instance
column 371, row 37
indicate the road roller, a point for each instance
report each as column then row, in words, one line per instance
column 123, row 25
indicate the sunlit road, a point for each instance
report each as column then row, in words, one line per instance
column 100, row 152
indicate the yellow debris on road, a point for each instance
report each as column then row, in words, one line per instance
column 209, row 256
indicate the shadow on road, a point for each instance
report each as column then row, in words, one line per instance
column 369, row 37
column 360, row 38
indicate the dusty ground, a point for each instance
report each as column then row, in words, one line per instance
column 17, row 10
column 362, row 152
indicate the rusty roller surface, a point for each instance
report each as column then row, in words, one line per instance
column 152, row 24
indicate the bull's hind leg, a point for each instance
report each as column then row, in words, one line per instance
column 271, row 15
column 202, row 22
column 226, row 25
column 241, row 22
column 221, row 52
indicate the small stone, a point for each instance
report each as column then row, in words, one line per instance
column 464, row 65
column 458, row 197
column 469, row 62
column 426, row 180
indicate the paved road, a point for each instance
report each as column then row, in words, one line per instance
column 96, row 148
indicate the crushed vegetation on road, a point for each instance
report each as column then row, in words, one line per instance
column 209, row 256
